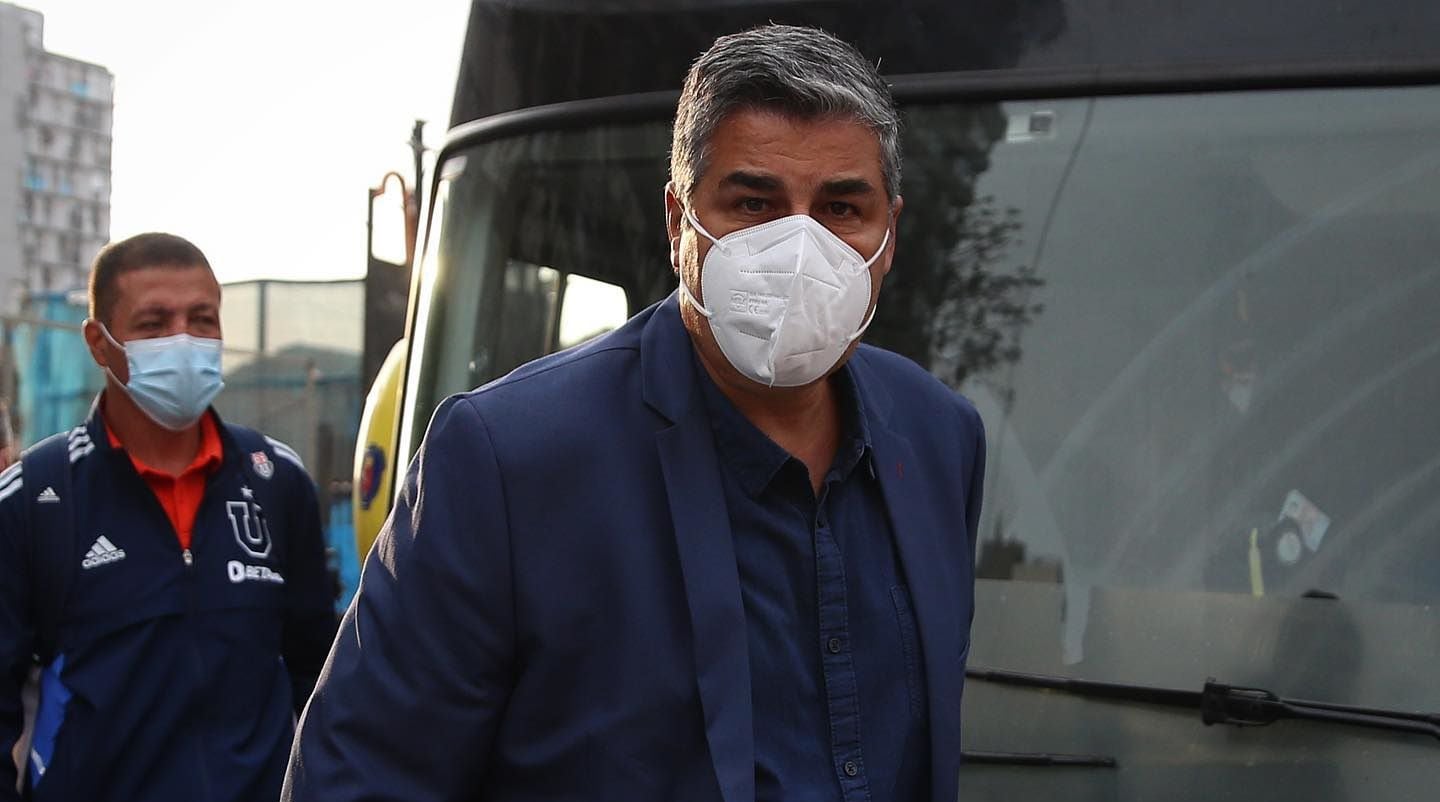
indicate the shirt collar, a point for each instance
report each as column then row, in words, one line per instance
column 854, row 425
column 756, row 459
column 207, row 458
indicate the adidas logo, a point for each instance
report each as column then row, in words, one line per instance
column 48, row 496
column 102, row 552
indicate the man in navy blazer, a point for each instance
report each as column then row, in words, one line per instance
column 722, row 553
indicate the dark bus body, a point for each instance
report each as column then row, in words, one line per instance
column 1185, row 259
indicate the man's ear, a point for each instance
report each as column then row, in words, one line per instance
column 894, row 224
column 101, row 350
column 674, row 217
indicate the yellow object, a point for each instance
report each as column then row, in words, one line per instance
column 1257, row 573
column 373, row 485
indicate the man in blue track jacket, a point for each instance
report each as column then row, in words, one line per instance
column 166, row 568
column 721, row 553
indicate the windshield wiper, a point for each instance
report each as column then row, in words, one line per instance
column 1038, row 759
column 1224, row 704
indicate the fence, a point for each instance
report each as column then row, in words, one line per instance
column 307, row 395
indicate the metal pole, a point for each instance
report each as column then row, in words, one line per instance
column 417, row 146
column 23, row 320
column 262, row 294
column 312, row 418
column 412, row 202
column 8, row 402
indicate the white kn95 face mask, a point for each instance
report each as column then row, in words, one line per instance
column 787, row 298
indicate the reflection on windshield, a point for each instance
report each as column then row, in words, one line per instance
column 1224, row 389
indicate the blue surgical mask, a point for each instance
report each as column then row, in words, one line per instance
column 172, row 379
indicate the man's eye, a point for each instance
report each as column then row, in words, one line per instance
column 755, row 205
column 841, row 209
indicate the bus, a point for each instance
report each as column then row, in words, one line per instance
column 1184, row 258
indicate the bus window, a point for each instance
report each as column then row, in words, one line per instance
column 526, row 221
column 590, row 308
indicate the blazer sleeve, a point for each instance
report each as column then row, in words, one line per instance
column 309, row 593
column 411, row 696
column 17, row 629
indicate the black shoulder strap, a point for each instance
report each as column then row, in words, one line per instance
column 51, row 521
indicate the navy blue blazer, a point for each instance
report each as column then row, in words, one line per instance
column 553, row 609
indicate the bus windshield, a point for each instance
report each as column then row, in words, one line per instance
column 1201, row 329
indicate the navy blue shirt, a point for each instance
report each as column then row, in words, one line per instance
column 836, row 673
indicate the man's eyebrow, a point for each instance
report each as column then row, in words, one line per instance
column 848, row 186
column 756, row 181
column 152, row 309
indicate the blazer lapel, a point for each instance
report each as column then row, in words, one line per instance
column 934, row 588
column 707, row 555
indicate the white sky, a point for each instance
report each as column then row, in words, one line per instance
column 255, row 128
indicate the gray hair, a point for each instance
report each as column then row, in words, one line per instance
column 803, row 72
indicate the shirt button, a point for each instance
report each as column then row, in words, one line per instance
column 851, row 769
column 834, row 645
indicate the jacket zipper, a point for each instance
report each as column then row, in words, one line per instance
column 188, row 557
column 192, row 632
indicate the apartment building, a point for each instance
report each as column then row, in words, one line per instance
column 55, row 123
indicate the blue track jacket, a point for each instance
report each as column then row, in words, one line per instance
column 172, row 681
column 553, row 609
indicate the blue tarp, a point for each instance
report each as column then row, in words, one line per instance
column 58, row 379
column 340, row 536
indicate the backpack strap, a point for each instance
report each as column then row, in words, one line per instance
column 50, row 515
